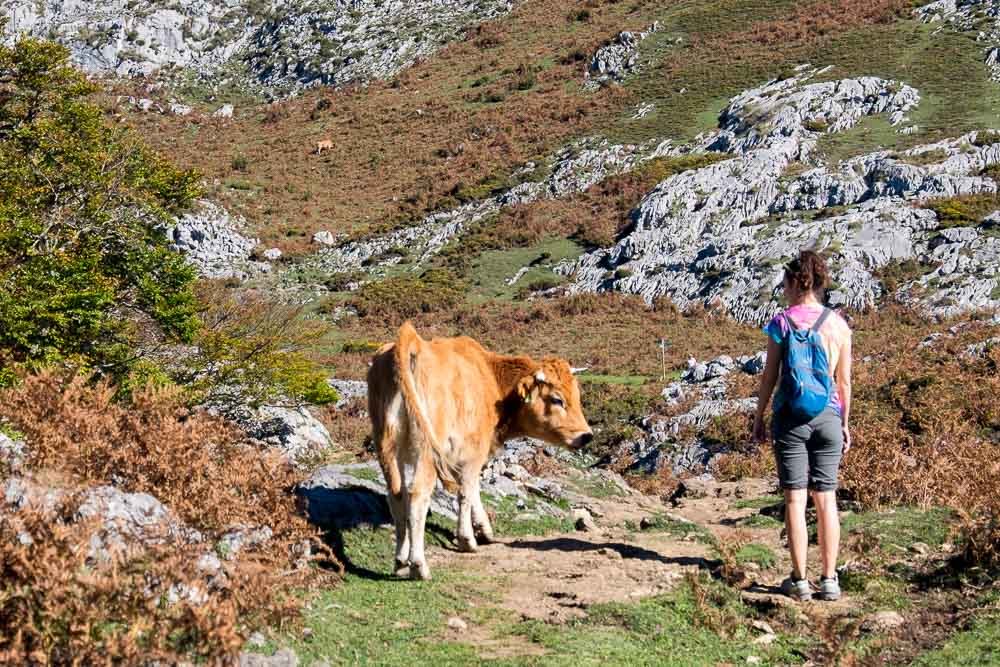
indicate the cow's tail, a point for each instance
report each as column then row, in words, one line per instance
column 408, row 349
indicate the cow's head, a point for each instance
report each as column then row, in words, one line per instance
column 549, row 406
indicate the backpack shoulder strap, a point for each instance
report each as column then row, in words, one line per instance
column 788, row 321
column 821, row 319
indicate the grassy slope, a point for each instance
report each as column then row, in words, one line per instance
column 429, row 139
column 413, row 144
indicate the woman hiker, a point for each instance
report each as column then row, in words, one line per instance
column 809, row 360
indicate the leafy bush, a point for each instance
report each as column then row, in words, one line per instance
column 56, row 607
column 986, row 138
column 85, row 270
column 251, row 349
column 241, row 163
column 964, row 210
column 402, row 297
column 932, row 156
column 360, row 347
column 992, row 171
column 896, row 274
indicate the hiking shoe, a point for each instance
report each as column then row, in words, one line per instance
column 829, row 588
column 797, row 589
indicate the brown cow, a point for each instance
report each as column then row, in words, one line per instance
column 440, row 408
column 324, row 145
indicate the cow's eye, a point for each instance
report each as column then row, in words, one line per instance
column 555, row 400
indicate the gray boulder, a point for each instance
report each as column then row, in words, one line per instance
column 346, row 496
column 349, row 390
column 293, row 430
column 213, row 242
column 12, row 452
column 617, row 59
column 122, row 519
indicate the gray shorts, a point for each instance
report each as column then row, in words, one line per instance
column 808, row 455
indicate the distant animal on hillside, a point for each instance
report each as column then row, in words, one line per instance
column 324, row 145
column 440, row 408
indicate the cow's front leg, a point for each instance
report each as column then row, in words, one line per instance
column 467, row 496
column 480, row 519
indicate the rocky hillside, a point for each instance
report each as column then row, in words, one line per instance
column 254, row 45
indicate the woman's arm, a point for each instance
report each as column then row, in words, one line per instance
column 843, row 380
column 767, row 383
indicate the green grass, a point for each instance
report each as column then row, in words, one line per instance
column 757, row 503
column 978, row 645
column 512, row 521
column 870, row 134
column 596, row 487
column 760, row 554
column 491, row 269
column 706, row 87
column 902, row 527
column 670, row 629
column 630, row 380
column 947, row 68
column 761, row 521
column 374, row 619
column 364, row 472
column 876, row 592
column 661, row 523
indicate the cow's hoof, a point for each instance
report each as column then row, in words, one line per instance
column 485, row 538
column 402, row 568
column 420, row 572
column 467, row 544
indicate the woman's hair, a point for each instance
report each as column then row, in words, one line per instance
column 808, row 272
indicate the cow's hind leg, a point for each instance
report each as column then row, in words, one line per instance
column 398, row 508
column 467, row 497
column 419, row 501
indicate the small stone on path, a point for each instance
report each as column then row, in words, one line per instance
column 584, row 521
column 882, row 621
column 457, row 624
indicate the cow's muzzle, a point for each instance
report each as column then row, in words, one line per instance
column 582, row 440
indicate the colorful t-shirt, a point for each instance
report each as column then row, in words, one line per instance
column 835, row 334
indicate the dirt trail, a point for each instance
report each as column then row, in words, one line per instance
column 554, row 578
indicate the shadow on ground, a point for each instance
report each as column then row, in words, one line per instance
column 624, row 550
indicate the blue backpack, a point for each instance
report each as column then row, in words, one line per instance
column 806, row 384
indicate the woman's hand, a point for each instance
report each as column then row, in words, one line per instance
column 759, row 434
column 847, row 439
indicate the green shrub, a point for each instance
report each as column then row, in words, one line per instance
column 965, row 210
column 403, row 297
column 253, row 351
column 986, row 138
column 992, row 171
column 661, row 168
column 897, row 274
column 85, row 270
column 360, row 347
column 932, row 156
column 816, row 125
